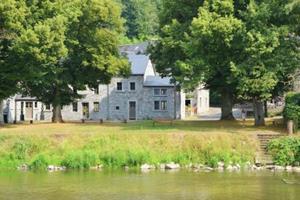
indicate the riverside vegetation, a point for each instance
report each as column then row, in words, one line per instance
column 116, row 145
column 81, row 146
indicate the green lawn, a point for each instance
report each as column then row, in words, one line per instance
column 78, row 145
column 145, row 127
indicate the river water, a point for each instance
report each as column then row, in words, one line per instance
column 155, row 185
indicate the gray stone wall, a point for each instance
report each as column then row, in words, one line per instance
column 109, row 98
column 148, row 103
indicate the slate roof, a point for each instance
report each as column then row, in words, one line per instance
column 157, row 81
column 139, row 63
column 137, row 56
column 140, row 48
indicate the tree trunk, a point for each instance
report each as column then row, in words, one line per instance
column 259, row 112
column 56, row 111
column 266, row 108
column 226, row 106
column 1, row 112
column 56, row 114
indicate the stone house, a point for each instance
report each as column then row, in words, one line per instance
column 141, row 96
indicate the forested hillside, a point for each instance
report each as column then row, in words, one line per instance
column 141, row 19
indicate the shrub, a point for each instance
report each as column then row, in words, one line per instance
column 40, row 162
column 285, row 151
column 80, row 160
column 292, row 108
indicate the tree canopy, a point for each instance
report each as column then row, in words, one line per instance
column 65, row 46
column 243, row 49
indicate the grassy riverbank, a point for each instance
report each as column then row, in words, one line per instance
column 132, row 144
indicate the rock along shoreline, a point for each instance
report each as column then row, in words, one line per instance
column 194, row 167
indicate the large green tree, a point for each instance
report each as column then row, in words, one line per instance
column 68, row 45
column 12, row 14
column 175, row 55
column 214, row 43
column 167, row 51
column 271, row 50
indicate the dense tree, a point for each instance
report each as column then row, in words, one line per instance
column 172, row 57
column 175, row 19
column 271, row 52
column 214, row 43
column 12, row 13
column 68, row 45
column 141, row 18
column 239, row 50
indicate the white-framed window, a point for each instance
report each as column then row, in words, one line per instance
column 119, row 86
column 35, row 104
column 75, row 107
column 160, row 105
column 160, row 92
column 132, row 86
column 96, row 107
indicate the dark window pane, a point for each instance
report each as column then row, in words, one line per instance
column 47, row 106
column 75, row 107
column 132, row 86
column 156, row 92
column 96, row 90
column 119, row 86
column 156, row 105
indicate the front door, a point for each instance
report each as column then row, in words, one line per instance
column 29, row 110
column 85, row 110
column 132, row 110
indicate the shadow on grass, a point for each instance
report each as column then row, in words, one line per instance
column 203, row 126
column 180, row 125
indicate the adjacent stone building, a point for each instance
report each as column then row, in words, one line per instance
column 143, row 95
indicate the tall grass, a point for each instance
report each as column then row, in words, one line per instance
column 113, row 150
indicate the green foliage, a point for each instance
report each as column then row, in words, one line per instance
column 141, row 18
column 80, row 160
column 40, row 162
column 22, row 149
column 292, row 108
column 238, row 48
column 81, row 151
column 215, row 30
column 270, row 54
column 175, row 19
column 11, row 14
column 61, row 46
column 285, row 151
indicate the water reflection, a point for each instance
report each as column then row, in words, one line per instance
column 153, row 185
